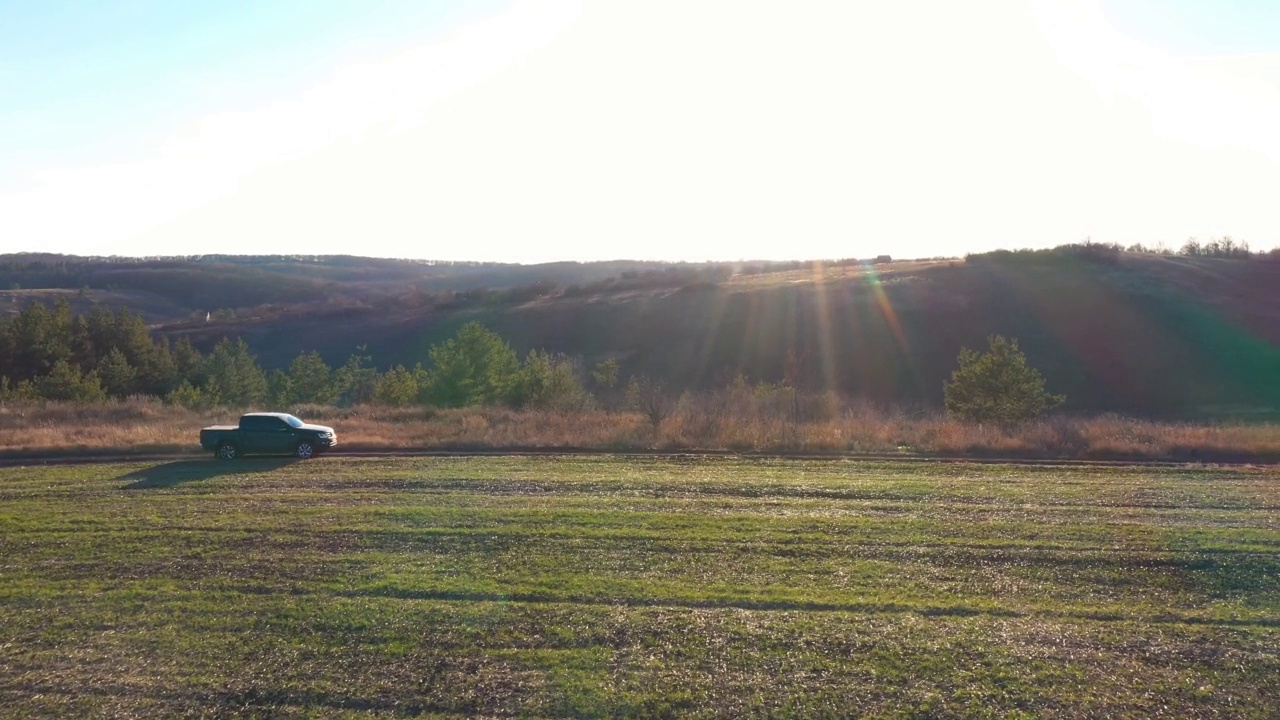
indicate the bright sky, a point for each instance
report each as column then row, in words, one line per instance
column 541, row 130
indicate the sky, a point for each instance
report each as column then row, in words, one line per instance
column 542, row 130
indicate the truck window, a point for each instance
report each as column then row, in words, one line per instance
column 262, row 422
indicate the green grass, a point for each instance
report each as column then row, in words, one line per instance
column 646, row 588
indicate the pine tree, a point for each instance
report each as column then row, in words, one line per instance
column 189, row 363
column 162, row 376
column 234, row 375
column 36, row 340
column 997, row 386
column 475, row 367
column 311, row 380
column 279, row 389
column 65, row 382
column 117, row 374
column 397, row 388
column 354, row 383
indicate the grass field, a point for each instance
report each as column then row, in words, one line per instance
column 665, row 587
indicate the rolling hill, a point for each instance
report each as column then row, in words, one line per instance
column 1137, row 333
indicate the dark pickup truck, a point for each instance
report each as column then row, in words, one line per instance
column 267, row 434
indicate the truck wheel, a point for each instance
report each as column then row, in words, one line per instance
column 227, row 451
column 305, row 450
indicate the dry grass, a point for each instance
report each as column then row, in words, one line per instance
column 826, row 424
column 727, row 421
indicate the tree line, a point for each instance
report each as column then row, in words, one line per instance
column 55, row 355
column 1224, row 247
column 51, row 354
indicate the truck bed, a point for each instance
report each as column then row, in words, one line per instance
column 221, row 427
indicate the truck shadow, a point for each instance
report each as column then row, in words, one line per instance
column 185, row 471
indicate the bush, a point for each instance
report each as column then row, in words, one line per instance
column 398, row 387
column 186, row 395
column 549, row 382
column 997, row 386
column 66, row 382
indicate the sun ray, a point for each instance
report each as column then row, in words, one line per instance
column 881, row 299
column 718, row 302
column 825, row 328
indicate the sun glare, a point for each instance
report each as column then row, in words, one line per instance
column 717, row 130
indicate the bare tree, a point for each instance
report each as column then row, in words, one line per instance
column 646, row 395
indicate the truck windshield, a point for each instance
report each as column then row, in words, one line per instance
column 293, row 421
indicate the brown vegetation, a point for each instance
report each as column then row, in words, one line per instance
column 751, row 421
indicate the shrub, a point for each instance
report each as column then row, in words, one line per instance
column 397, row 388
column 66, row 382
column 550, row 382
column 186, row 395
column 997, row 386
column 605, row 374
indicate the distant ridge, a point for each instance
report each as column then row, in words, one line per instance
column 1138, row 333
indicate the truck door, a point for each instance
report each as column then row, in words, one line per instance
column 260, row 434
column 254, row 435
column 279, row 437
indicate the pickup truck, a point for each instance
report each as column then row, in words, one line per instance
column 267, row 434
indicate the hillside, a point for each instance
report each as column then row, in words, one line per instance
column 224, row 282
column 1145, row 334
